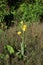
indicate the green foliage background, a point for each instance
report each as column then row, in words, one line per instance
column 3, row 9
column 27, row 11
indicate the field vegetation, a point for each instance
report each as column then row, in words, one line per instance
column 21, row 32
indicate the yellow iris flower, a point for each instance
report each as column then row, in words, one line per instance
column 24, row 27
column 21, row 22
column 19, row 32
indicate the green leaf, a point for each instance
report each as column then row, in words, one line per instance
column 22, row 48
column 10, row 49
